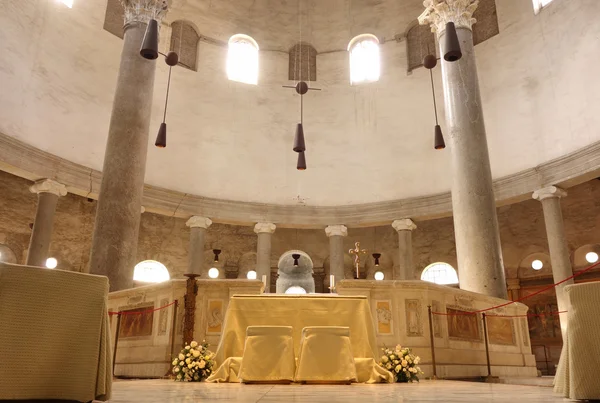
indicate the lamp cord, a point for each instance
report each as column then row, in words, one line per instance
column 433, row 94
column 167, row 97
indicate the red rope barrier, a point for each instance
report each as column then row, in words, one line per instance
column 522, row 298
column 141, row 312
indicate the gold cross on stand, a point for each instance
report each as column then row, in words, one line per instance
column 356, row 252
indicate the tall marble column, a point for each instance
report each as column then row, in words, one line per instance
column 336, row 234
column 405, row 270
column 557, row 243
column 198, row 226
column 115, row 238
column 264, row 230
column 48, row 192
column 478, row 249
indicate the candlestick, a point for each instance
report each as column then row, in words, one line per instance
column 331, row 282
column 264, row 281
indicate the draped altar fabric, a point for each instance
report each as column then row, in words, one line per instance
column 577, row 372
column 298, row 312
column 54, row 335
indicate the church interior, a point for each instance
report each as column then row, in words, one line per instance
column 299, row 200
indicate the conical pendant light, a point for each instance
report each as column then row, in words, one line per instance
column 161, row 138
column 149, row 49
column 452, row 51
column 439, row 144
column 301, row 165
column 295, row 256
column 429, row 62
column 299, row 145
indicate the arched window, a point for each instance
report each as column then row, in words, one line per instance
column 440, row 273
column 539, row 4
column 150, row 271
column 184, row 41
column 242, row 59
column 295, row 290
column 364, row 59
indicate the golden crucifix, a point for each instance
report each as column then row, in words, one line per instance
column 356, row 252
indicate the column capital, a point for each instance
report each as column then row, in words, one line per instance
column 549, row 192
column 264, row 227
column 405, row 224
column 198, row 222
column 336, row 230
column 48, row 186
column 145, row 10
column 440, row 12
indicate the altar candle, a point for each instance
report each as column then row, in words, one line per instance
column 264, row 281
column 331, row 281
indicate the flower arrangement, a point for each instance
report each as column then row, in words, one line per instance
column 402, row 363
column 194, row 363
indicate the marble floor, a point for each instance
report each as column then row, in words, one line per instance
column 164, row 391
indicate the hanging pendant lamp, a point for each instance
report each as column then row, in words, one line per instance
column 149, row 49
column 295, row 256
column 161, row 138
column 439, row 143
column 376, row 256
column 217, row 252
column 299, row 145
column 301, row 165
column 429, row 62
column 452, row 50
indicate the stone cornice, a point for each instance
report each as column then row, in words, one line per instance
column 199, row 222
column 405, row 224
column 264, row 228
column 336, row 230
column 28, row 162
column 549, row 192
column 440, row 12
column 144, row 10
column 48, row 186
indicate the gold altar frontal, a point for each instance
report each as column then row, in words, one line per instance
column 299, row 311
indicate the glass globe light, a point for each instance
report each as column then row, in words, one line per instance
column 591, row 257
column 537, row 265
column 251, row 275
column 213, row 273
column 379, row 275
column 51, row 263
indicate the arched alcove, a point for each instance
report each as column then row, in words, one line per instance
column 7, row 255
column 526, row 266
column 184, row 41
column 440, row 273
column 585, row 256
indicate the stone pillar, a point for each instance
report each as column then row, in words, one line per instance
column 478, row 249
column 336, row 234
column 48, row 192
column 264, row 230
column 115, row 238
column 405, row 269
column 198, row 226
column 557, row 244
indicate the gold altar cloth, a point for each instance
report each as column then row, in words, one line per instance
column 299, row 311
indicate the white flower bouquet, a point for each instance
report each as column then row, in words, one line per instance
column 194, row 363
column 402, row 363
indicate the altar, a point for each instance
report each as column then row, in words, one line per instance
column 378, row 313
column 298, row 312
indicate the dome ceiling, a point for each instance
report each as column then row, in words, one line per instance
column 365, row 143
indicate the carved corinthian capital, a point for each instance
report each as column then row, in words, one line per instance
column 144, row 10
column 440, row 12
